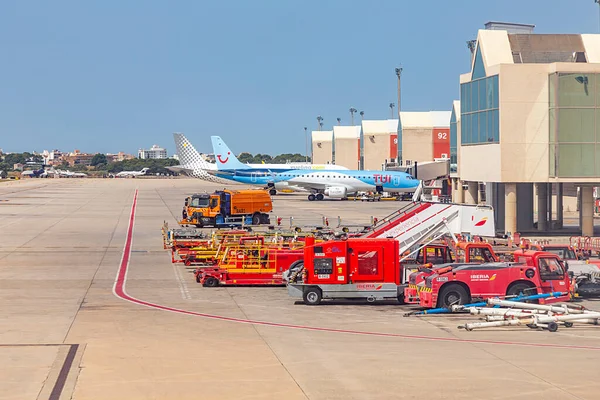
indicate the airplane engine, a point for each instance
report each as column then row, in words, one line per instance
column 338, row 192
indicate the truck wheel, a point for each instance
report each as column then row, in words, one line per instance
column 520, row 288
column 211, row 282
column 453, row 294
column 401, row 299
column 256, row 219
column 265, row 219
column 312, row 296
column 272, row 192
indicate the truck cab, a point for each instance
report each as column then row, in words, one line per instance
column 465, row 253
column 576, row 263
column 534, row 272
column 197, row 207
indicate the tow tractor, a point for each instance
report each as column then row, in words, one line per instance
column 431, row 258
column 535, row 272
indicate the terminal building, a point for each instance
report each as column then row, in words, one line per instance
column 378, row 143
column 375, row 144
column 528, row 126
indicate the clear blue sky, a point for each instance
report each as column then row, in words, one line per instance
column 105, row 76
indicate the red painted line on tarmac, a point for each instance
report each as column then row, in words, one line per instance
column 120, row 291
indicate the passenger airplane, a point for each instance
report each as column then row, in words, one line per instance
column 228, row 166
column 132, row 174
column 192, row 164
column 323, row 182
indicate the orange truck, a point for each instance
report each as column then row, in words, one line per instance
column 227, row 208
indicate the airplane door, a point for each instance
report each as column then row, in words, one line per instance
column 253, row 176
column 396, row 181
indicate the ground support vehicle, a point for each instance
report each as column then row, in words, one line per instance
column 584, row 270
column 185, row 249
column 349, row 269
column 432, row 257
column 413, row 227
column 227, row 208
column 171, row 236
column 251, row 261
column 535, row 272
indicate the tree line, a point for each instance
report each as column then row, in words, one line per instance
column 100, row 163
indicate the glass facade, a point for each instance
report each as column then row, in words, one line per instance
column 574, row 120
column 479, row 111
column 453, row 137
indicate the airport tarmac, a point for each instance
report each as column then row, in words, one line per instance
column 65, row 334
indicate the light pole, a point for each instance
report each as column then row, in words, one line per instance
column 306, row 141
column 339, row 120
column 399, row 74
column 352, row 111
column 392, row 105
column 320, row 121
column 598, row 2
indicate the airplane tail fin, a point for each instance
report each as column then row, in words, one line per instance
column 224, row 156
column 187, row 153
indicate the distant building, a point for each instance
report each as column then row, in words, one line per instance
column 154, row 152
column 78, row 158
column 120, row 156
column 54, row 157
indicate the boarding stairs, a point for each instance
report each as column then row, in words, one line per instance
column 420, row 223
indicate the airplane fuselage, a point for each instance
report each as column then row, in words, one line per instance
column 352, row 180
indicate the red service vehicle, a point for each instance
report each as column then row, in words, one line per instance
column 251, row 261
column 349, row 269
column 535, row 272
column 441, row 255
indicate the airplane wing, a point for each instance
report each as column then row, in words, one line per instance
column 219, row 173
column 307, row 184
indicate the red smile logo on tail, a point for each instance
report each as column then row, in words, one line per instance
column 225, row 160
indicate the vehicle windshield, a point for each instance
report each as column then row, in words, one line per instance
column 550, row 267
column 200, row 202
column 563, row 252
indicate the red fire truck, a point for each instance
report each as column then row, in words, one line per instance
column 535, row 272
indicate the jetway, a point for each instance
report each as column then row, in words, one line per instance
column 426, row 170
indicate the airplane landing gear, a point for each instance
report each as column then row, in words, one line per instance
column 311, row 197
column 320, row 196
column 272, row 192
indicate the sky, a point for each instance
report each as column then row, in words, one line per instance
column 119, row 75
